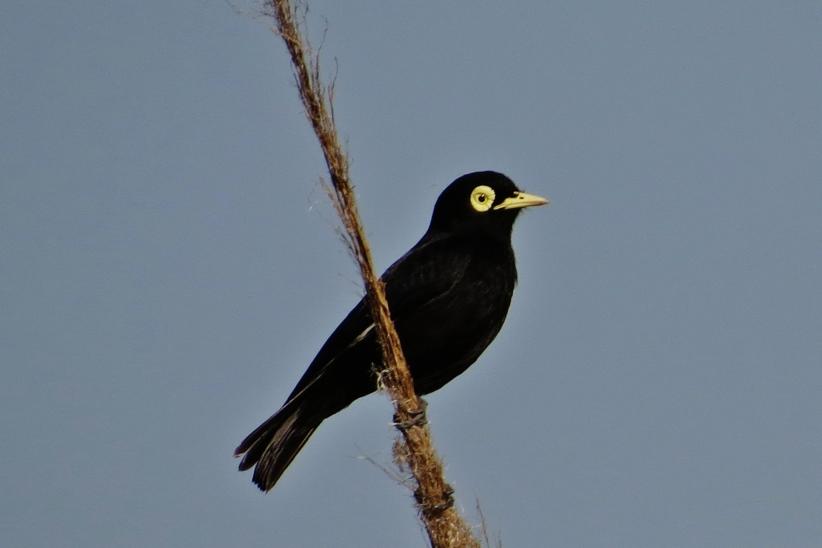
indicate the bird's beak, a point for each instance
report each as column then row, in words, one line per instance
column 522, row 199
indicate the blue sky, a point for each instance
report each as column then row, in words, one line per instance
column 169, row 266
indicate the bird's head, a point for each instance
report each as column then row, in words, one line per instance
column 484, row 201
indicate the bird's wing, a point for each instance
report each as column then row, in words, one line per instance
column 424, row 274
column 427, row 272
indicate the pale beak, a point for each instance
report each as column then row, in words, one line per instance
column 522, row 199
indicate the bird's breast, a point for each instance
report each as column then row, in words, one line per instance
column 444, row 337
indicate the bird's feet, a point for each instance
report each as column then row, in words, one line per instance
column 416, row 417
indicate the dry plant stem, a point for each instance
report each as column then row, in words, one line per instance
column 444, row 525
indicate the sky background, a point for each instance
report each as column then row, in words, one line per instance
column 169, row 267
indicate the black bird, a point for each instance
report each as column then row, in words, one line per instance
column 448, row 296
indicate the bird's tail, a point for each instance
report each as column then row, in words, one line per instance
column 274, row 444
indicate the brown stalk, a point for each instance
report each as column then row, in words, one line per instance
column 414, row 449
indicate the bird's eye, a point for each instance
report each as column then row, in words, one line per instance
column 482, row 198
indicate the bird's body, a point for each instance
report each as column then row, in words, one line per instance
column 448, row 296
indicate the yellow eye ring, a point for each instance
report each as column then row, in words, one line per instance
column 482, row 198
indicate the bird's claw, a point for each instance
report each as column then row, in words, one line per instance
column 416, row 418
column 429, row 508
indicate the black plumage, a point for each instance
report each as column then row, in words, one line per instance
column 448, row 296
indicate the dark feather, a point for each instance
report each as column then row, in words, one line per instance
column 449, row 296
